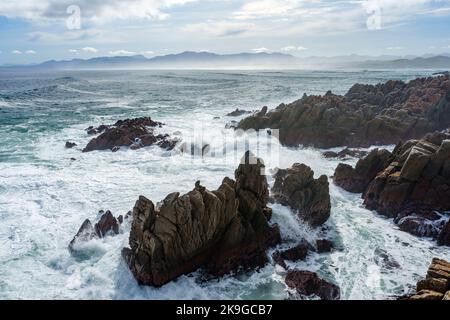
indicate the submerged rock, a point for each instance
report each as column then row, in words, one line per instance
column 296, row 187
column 308, row 283
column 299, row 252
column 219, row 231
column 70, row 145
column 324, row 245
column 134, row 133
column 237, row 113
column 345, row 153
column 367, row 115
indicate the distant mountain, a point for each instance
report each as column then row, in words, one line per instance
column 208, row 60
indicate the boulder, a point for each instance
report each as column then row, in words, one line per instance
column 443, row 238
column 134, row 133
column 366, row 115
column 84, row 234
column 308, row 283
column 436, row 285
column 357, row 179
column 106, row 224
column 324, row 245
column 299, row 252
column 70, row 145
column 310, row 198
column 219, row 231
column 345, row 153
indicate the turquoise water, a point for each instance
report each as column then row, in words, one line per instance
column 45, row 196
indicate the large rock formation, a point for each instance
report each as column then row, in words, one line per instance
column 308, row 283
column 296, row 187
column 436, row 285
column 357, row 179
column 367, row 115
column 134, row 133
column 220, row 231
column 412, row 184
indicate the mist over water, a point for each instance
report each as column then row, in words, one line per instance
column 45, row 196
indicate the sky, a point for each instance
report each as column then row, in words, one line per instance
column 33, row 31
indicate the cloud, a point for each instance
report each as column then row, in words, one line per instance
column 122, row 53
column 16, row 52
column 92, row 11
column 148, row 52
column 30, row 52
column 73, row 50
column 293, row 48
column 260, row 50
column 219, row 28
column 395, row 48
column 89, row 50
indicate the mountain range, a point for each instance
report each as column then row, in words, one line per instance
column 208, row 60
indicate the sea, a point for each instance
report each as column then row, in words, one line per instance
column 47, row 190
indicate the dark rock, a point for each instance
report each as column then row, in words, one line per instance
column 444, row 236
column 308, row 283
column 134, row 133
column 106, row 223
column 70, row 145
column 237, row 113
column 356, row 180
column 84, row 234
column 324, row 245
column 297, row 188
column 219, row 231
column 345, row 153
column 367, row 115
column 296, row 253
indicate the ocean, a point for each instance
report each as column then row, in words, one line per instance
column 45, row 195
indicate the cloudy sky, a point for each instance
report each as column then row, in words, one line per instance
column 39, row 30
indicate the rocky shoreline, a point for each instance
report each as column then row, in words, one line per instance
column 366, row 115
column 411, row 184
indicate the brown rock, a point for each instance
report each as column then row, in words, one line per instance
column 106, row 223
column 444, row 236
column 427, row 295
column 308, row 283
column 297, row 188
column 296, row 253
column 324, row 245
column 434, row 284
column 219, row 231
column 84, row 234
column 367, row 115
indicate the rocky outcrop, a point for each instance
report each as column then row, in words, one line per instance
column 357, row 179
column 367, row 115
column 237, row 113
column 106, row 224
column 412, row 184
column 299, row 252
column 310, row 198
column 345, row 153
column 133, row 133
column 308, row 283
column 219, row 231
column 436, row 285
column 70, row 145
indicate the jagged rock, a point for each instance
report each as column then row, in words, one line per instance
column 70, row 145
column 237, row 113
column 308, row 283
column 414, row 188
column 357, row 179
column 107, row 223
column 435, row 284
column 134, row 133
column 446, row 296
column 345, row 153
column 219, row 231
column 296, row 253
column 297, row 188
column 367, row 115
column 324, row 245
column 84, row 234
